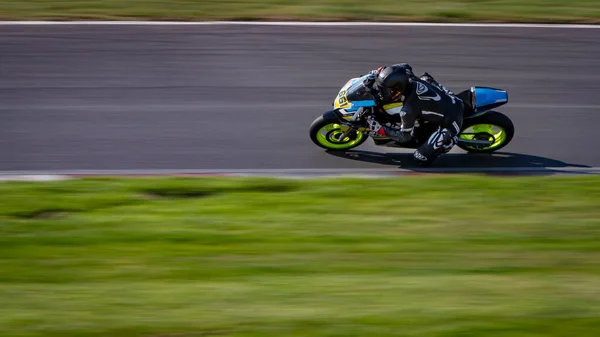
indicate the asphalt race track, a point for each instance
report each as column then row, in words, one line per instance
column 110, row 97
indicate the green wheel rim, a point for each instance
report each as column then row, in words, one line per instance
column 493, row 133
column 328, row 136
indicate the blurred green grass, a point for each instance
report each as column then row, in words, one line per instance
column 419, row 256
column 585, row 11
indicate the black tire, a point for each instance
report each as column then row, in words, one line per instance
column 319, row 123
column 494, row 118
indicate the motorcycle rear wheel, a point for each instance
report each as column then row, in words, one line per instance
column 492, row 126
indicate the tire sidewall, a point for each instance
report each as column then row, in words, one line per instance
column 491, row 117
column 320, row 122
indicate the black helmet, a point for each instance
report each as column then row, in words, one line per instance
column 392, row 82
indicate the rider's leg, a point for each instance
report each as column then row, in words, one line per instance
column 442, row 140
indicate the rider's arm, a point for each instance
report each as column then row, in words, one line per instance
column 408, row 116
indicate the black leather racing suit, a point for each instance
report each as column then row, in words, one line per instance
column 427, row 100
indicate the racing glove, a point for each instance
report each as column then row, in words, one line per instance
column 370, row 80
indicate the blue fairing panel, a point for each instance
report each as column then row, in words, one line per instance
column 488, row 98
column 358, row 104
column 366, row 103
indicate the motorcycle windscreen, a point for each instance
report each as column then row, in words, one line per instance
column 358, row 96
column 488, row 98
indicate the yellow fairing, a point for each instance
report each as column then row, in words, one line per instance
column 341, row 101
column 392, row 106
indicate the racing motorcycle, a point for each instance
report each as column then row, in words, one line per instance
column 484, row 130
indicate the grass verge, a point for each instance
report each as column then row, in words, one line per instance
column 422, row 256
column 582, row 11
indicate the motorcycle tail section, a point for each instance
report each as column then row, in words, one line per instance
column 485, row 99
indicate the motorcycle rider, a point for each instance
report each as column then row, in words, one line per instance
column 399, row 92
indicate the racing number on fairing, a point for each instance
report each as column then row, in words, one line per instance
column 342, row 98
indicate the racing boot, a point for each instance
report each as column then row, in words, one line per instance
column 440, row 142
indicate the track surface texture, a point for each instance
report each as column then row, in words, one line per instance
column 242, row 97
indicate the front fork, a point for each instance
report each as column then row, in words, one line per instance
column 349, row 127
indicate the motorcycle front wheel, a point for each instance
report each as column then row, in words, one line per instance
column 326, row 134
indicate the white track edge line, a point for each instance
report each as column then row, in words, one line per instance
column 287, row 174
column 306, row 23
column 293, row 171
